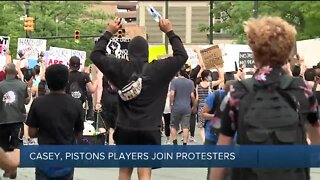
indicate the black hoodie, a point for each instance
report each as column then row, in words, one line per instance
column 145, row 111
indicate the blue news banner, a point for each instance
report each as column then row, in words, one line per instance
column 170, row 156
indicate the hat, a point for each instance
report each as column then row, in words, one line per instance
column 74, row 63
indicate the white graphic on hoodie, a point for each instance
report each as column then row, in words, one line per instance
column 9, row 97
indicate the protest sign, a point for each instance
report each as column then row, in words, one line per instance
column 31, row 49
column 212, row 57
column 4, row 46
column 118, row 47
column 236, row 54
column 58, row 55
column 193, row 57
column 247, row 59
column 156, row 51
column 309, row 51
column 132, row 31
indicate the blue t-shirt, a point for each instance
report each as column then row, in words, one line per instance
column 209, row 101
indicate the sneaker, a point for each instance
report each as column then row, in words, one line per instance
column 192, row 140
column 168, row 142
column 12, row 175
column 31, row 142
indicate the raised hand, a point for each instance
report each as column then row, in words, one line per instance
column 165, row 25
column 115, row 25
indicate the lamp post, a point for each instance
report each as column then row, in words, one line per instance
column 255, row 9
column 27, row 4
column 211, row 23
column 166, row 41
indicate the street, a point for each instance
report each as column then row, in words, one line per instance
column 159, row 174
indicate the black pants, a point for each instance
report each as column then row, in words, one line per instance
column 166, row 118
column 193, row 118
column 10, row 136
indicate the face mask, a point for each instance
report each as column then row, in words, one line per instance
column 209, row 78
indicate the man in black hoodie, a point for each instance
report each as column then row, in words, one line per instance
column 139, row 119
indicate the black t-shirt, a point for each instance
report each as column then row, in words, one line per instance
column 58, row 117
column 81, row 78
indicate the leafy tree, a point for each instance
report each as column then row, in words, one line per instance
column 304, row 15
column 54, row 18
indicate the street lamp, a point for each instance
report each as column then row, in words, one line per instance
column 27, row 4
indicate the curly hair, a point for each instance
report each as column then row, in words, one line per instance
column 271, row 40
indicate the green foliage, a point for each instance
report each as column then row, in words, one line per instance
column 304, row 15
column 71, row 15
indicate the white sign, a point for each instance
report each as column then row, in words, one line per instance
column 231, row 55
column 4, row 46
column 193, row 57
column 58, row 55
column 31, row 47
column 310, row 51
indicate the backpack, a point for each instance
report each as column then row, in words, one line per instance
column 215, row 129
column 75, row 90
column 269, row 115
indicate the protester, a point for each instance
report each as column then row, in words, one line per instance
column 209, row 112
column 271, row 40
column 203, row 90
column 14, row 94
column 107, row 103
column 79, row 81
column 181, row 94
column 167, row 118
column 140, row 110
column 55, row 119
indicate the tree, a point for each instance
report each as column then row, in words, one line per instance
column 60, row 18
column 303, row 15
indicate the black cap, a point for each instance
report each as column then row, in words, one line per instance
column 74, row 63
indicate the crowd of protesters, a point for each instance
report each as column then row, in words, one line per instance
column 137, row 100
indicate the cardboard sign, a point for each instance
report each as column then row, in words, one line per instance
column 247, row 59
column 31, row 49
column 133, row 30
column 58, row 55
column 118, row 47
column 156, row 51
column 212, row 57
column 4, row 46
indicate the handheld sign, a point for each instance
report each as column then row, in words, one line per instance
column 154, row 13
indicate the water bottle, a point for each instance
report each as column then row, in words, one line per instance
column 154, row 13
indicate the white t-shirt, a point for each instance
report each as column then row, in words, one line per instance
column 167, row 108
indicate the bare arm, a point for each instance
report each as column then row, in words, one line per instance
column 33, row 132
column 99, row 86
column 219, row 173
column 92, row 87
column 172, row 93
column 206, row 113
